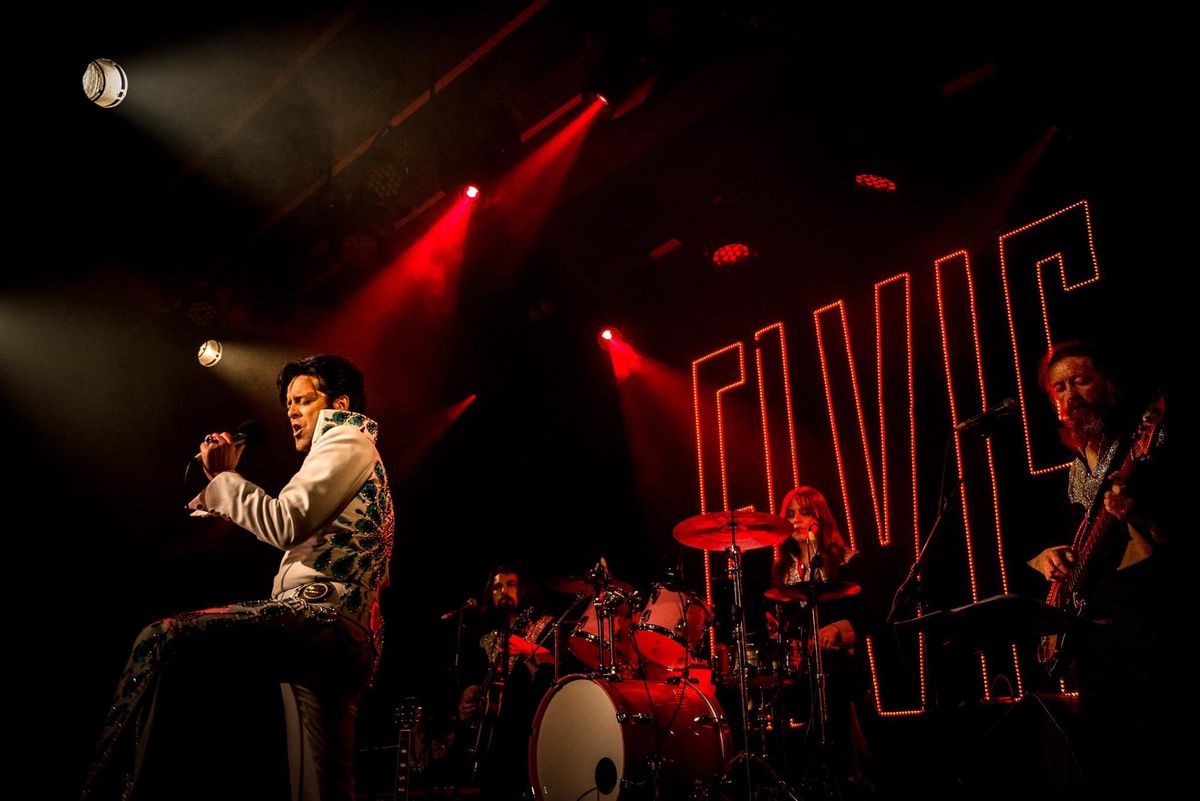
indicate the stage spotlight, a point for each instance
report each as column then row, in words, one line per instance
column 624, row 358
column 876, row 182
column 105, row 82
column 621, row 80
column 731, row 255
column 471, row 191
column 210, row 353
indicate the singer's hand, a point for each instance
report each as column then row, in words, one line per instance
column 218, row 453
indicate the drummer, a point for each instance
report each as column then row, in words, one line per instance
column 816, row 552
column 519, row 670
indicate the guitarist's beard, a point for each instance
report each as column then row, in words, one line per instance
column 1087, row 423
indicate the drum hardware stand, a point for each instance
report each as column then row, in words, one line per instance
column 783, row 668
column 780, row 783
column 554, row 629
column 817, row 687
column 746, row 756
column 763, row 718
column 655, row 763
column 719, row 531
column 739, row 619
column 739, row 623
column 605, row 611
column 655, row 760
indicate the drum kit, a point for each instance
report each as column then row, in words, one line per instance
column 645, row 722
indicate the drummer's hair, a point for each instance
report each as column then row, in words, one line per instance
column 832, row 543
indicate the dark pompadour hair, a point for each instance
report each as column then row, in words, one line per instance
column 336, row 376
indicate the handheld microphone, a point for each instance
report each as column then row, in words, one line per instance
column 251, row 432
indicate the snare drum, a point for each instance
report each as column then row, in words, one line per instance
column 767, row 664
column 670, row 626
column 595, row 738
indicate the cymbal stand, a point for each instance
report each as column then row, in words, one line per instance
column 818, row 688
column 782, row 671
column 745, row 756
column 739, row 627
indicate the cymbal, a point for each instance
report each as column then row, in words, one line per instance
column 577, row 584
column 716, row 531
column 822, row 590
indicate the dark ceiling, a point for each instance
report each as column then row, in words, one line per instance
column 253, row 144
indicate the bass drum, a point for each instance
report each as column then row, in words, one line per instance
column 595, row 738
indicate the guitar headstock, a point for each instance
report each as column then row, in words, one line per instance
column 408, row 713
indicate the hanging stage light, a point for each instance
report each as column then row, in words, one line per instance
column 608, row 336
column 210, row 353
column 105, row 82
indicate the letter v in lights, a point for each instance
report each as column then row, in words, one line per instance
column 774, row 393
column 893, row 493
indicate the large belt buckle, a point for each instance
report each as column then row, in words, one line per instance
column 317, row 591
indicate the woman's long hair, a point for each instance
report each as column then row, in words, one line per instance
column 830, row 543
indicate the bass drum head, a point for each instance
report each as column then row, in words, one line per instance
column 575, row 732
column 594, row 738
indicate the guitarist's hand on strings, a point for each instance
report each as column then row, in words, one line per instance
column 468, row 704
column 534, row 654
column 1054, row 563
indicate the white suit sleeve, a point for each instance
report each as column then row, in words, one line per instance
column 340, row 462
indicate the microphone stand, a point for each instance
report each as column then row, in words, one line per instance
column 911, row 586
column 905, row 590
column 456, row 668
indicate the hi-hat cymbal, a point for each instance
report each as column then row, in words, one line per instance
column 821, row 590
column 576, row 584
column 716, row 531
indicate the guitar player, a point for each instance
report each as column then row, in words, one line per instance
column 499, row 711
column 1121, row 572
